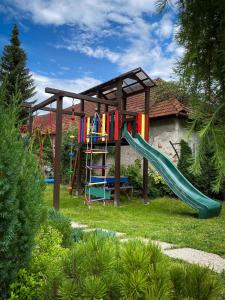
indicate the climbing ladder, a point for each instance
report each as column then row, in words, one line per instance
column 96, row 191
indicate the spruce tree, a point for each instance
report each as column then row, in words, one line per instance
column 13, row 68
column 47, row 150
column 185, row 160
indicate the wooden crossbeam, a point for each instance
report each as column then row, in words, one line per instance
column 65, row 111
column 128, row 113
column 80, row 96
column 46, row 102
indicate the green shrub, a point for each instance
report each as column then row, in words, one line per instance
column 90, row 266
column 27, row 286
column 223, row 285
column 157, row 185
column 204, row 179
column 63, row 224
column 185, row 160
column 41, row 280
column 104, row 268
column 65, row 149
column 200, row 283
column 21, row 210
column 143, row 272
column 47, row 259
column 77, row 234
column 134, row 174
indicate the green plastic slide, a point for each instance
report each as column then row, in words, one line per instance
column 184, row 190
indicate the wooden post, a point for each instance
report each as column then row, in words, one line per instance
column 145, row 161
column 99, row 104
column 79, row 159
column 57, row 165
column 118, row 146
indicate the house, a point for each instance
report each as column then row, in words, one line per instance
column 167, row 124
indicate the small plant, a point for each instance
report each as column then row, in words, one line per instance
column 200, row 283
column 144, row 274
column 67, row 144
column 63, row 224
column 47, row 259
column 158, row 186
column 27, row 286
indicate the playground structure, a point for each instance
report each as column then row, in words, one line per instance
column 118, row 127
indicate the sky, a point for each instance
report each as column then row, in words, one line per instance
column 77, row 44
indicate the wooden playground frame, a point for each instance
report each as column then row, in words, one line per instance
column 113, row 93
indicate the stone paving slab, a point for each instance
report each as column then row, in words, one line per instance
column 210, row 260
column 89, row 229
column 164, row 245
column 78, row 225
column 117, row 234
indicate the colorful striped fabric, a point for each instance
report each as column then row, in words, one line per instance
column 116, row 127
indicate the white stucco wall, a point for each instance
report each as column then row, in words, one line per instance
column 161, row 132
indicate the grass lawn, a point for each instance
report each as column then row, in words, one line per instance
column 164, row 219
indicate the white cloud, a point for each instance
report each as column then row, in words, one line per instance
column 144, row 46
column 90, row 22
column 99, row 52
column 166, row 27
column 64, row 68
column 75, row 85
column 89, row 13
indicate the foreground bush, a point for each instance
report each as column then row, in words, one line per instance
column 104, row 268
column 20, row 199
column 63, row 224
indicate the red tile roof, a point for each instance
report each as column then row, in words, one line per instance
column 166, row 108
column 170, row 107
column 47, row 122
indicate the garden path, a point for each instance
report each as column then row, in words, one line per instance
column 190, row 255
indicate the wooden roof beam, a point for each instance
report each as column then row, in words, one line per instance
column 65, row 112
column 128, row 113
column 45, row 102
column 80, row 96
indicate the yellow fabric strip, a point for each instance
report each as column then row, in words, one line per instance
column 143, row 125
column 103, row 126
column 88, row 128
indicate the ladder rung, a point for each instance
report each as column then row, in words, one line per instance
column 97, row 167
column 97, row 199
column 96, row 183
column 96, row 136
column 98, row 133
column 96, row 152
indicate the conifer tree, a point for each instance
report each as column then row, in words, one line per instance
column 13, row 68
column 20, row 196
column 202, row 68
column 185, row 160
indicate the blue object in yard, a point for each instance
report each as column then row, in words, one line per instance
column 71, row 154
column 95, row 127
column 123, row 179
column 49, row 180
